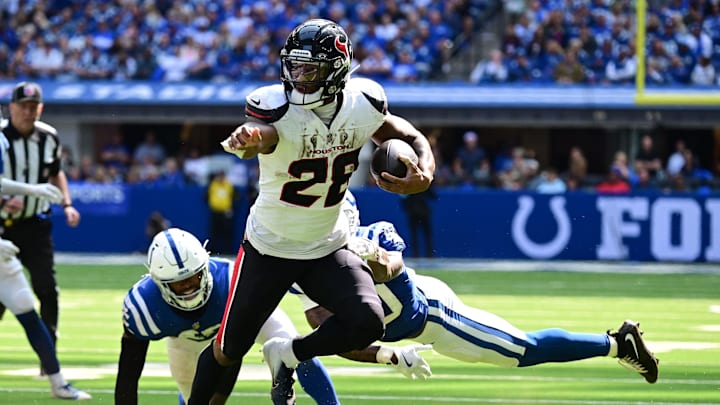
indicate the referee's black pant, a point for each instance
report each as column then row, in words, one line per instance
column 37, row 253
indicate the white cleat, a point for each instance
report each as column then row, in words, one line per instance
column 282, row 392
column 71, row 393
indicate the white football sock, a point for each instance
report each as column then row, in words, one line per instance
column 57, row 380
column 613, row 352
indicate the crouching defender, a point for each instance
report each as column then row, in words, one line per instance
column 183, row 299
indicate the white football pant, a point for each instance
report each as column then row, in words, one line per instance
column 464, row 333
column 183, row 353
column 15, row 292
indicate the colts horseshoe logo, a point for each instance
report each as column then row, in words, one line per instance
column 541, row 250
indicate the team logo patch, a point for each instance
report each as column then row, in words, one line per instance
column 341, row 45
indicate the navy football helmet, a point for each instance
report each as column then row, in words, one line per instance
column 315, row 62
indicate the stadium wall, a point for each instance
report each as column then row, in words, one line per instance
column 466, row 224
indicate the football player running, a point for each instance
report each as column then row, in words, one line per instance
column 16, row 295
column 425, row 310
column 182, row 298
column 307, row 133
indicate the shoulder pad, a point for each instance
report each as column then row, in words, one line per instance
column 267, row 104
column 45, row 127
column 372, row 91
column 220, row 262
column 221, row 268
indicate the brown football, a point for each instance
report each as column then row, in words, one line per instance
column 385, row 158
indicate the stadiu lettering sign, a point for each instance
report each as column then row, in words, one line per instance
column 678, row 229
column 141, row 92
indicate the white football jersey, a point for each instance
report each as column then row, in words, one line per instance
column 303, row 181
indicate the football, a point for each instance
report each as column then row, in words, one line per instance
column 385, row 158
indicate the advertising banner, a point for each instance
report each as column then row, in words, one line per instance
column 465, row 224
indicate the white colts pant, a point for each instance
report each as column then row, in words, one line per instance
column 464, row 333
column 15, row 292
column 183, row 353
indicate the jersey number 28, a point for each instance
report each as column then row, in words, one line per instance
column 342, row 168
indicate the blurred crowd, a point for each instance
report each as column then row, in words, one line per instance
column 229, row 40
column 472, row 166
column 517, row 168
column 593, row 42
column 149, row 164
column 545, row 41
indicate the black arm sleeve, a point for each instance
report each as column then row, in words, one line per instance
column 130, row 366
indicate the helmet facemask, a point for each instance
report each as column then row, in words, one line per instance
column 184, row 298
column 178, row 264
column 315, row 63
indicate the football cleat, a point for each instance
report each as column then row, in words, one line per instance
column 67, row 391
column 282, row 392
column 632, row 352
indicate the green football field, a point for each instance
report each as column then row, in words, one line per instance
column 680, row 314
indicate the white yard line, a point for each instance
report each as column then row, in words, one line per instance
column 261, row 373
column 374, row 398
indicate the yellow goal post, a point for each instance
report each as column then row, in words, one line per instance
column 658, row 96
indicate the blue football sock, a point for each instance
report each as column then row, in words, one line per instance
column 40, row 341
column 559, row 346
column 315, row 380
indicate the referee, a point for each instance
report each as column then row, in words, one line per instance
column 33, row 157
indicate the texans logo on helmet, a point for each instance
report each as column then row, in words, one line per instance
column 341, row 45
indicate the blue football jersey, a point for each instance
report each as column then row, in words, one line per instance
column 405, row 306
column 149, row 317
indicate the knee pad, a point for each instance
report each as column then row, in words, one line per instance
column 22, row 301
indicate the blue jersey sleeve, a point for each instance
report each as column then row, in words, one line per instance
column 141, row 308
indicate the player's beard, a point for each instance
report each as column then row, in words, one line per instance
column 307, row 101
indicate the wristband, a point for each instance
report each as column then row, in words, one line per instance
column 67, row 205
column 384, row 355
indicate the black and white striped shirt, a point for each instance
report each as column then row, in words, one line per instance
column 32, row 159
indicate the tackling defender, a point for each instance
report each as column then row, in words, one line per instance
column 183, row 299
column 424, row 309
